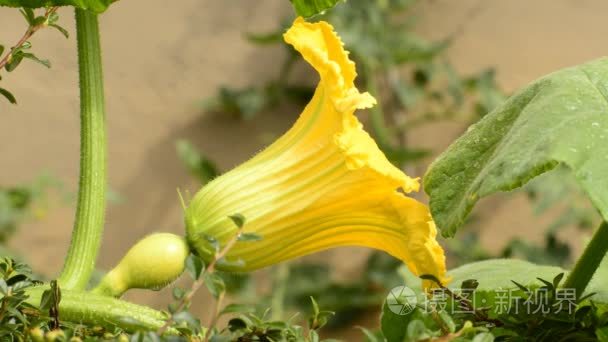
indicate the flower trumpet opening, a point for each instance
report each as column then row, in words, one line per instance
column 323, row 184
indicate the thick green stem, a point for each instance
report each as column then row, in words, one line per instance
column 88, row 226
column 97, row 310
column 588, row 263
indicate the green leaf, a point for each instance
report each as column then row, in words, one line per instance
column 557, row 280
column 8, row 95
column 512, row 274
column 195, row 266
column 46, row 301
column 308, row 8
column 33, row 57
column 394, row 326
column 315, row 306
column 238, row 219
column 97, row 6
column 265, row 38
column 447, row 321
column 370, row 336
column 243, row 102
column 53, row 18
column 25, row 46
column 404, row 155
column 39, row 20
column 249, row 237
column 410, row 48
column 1, row 49
column 16, row 59
column 483, row 337
column 237, row 308
column 63, row 31
column 186, row 318
column 3, row 287
column 501, row 280
column 560, row 118
column 499, row 273
column 178, row 293
column 28, row 14
column 602, row 334
column 215, row 284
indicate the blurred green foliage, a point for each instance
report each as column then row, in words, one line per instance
column 203, row 169
column 348, row 299
column 557, row 194
column 409, row 75
column 248, row 326
column 18, row 203
column 309, row 8
column 21, row 51
column 16, row 316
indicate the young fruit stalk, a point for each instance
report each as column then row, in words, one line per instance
column 152, row 263
column 88, row 226
column 97, row 310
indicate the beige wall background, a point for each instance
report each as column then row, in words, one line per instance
column 161, row 60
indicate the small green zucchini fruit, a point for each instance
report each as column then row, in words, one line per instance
column 152, row 263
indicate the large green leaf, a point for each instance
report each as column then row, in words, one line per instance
column 499, row 274
column 495, row 291
column 560, row 118
column 308, row 8
column 496, row 274
column 396, row 328
column 92, row 5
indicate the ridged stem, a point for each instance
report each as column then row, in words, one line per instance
column 88, row 226
column 97, row 310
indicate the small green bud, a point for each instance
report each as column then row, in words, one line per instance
column 152, row 263
column 97, row 330
column 36, row 334
column 54, row 335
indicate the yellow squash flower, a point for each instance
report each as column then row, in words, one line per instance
column 323, row 184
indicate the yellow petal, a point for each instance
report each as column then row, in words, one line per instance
column 323, row 184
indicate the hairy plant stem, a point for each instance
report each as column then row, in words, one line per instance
column 88, row 225
column 588, row 263
column 97, row 310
